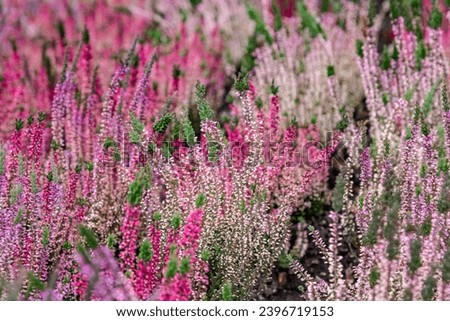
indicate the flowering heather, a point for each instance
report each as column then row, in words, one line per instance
column 314, row 74
column 197, row 150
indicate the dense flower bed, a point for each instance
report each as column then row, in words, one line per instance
column 224, row 150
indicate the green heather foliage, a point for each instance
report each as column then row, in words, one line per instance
column 163, row 123
column 2, row 159
column 188, row 131
column 260, row 27
column 203, row 107
column 227, row 294
column 145, row 251
column 309, row 22
column 137, row 130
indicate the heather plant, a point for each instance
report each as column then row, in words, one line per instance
column 185, row 55
column 316, row 76
column 176, row 207
column 397, row 215
column 404, row 75
column 401, row 222
column 215, row 16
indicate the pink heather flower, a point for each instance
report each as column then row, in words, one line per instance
column 105, row 280
column 130, row 236
column 366, row 166
column 191, row 234
column 274, row 115
column 14, row 150
column 179, row 286
column 144, row 280
column 71, row 190
column 148, row 276
column 80, row 284
column 177, row 289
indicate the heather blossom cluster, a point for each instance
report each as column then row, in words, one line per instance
column 206, row 150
